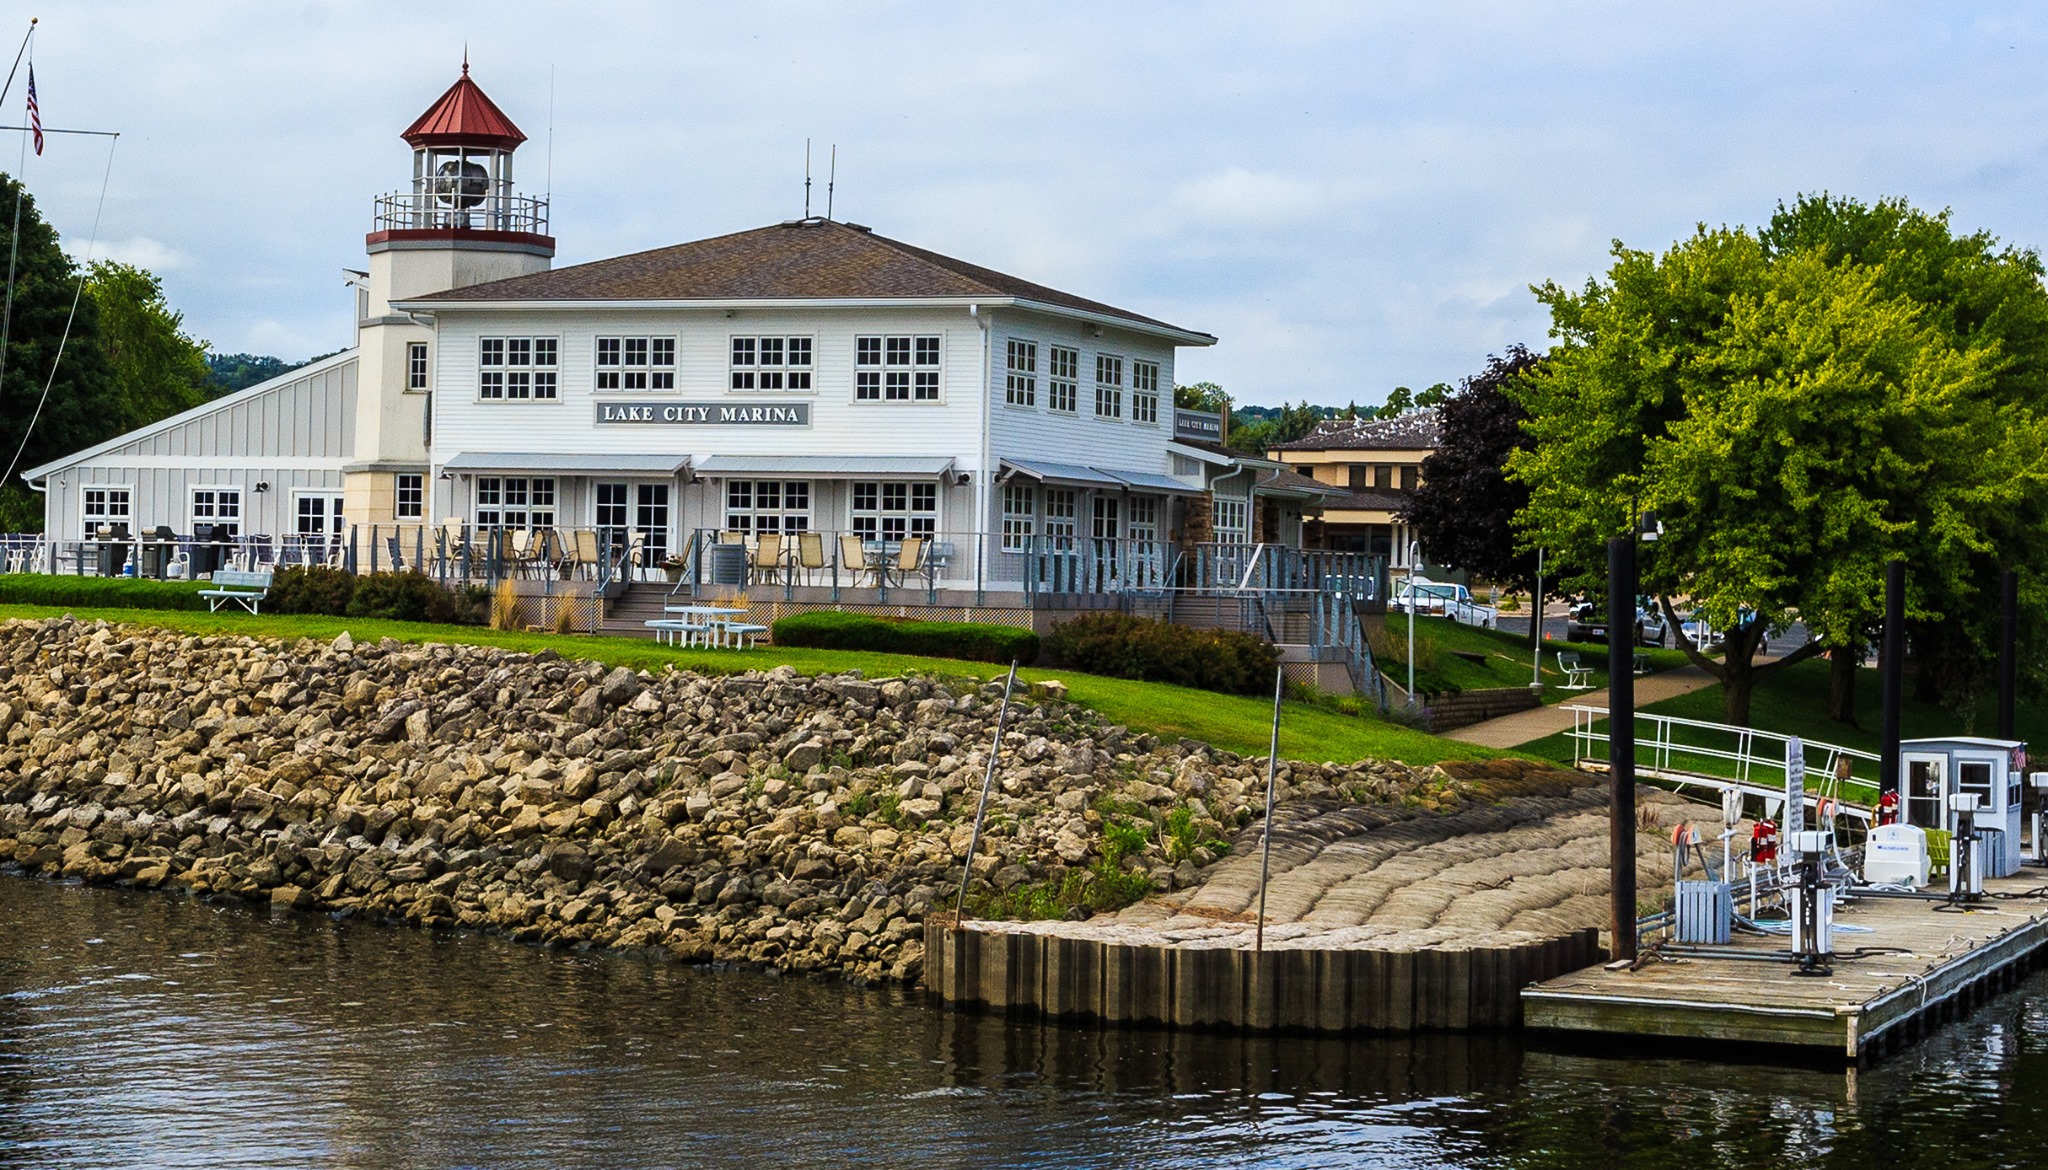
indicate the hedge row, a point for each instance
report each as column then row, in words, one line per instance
column 829, row 630
column 1122, row 645
column 405, row 597
column 100, row 592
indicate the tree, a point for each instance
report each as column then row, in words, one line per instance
column 1793, row 422
column 79, row 408
column 1464, row 510
column 157, row 370
column 1200, row 396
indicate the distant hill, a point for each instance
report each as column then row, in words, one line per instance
column 239, row 371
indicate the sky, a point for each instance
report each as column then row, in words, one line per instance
column 1350, row 196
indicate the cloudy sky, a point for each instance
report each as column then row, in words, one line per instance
column 1351, row 196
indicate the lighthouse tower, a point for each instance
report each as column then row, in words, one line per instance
column 460, row 223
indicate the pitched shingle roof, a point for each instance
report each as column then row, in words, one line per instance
column 800, row 260
column 1409, row 432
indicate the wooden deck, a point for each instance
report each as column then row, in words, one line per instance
column 1934, row 964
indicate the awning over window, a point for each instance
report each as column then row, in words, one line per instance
column 824, row 466
column 566, row 464
column 1105, row 478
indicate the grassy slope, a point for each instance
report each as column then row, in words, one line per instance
column 1229, row 722
column 1438, row 667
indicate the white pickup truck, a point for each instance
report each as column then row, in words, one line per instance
column 1442, row 599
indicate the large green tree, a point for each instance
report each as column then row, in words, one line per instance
column 1795, row 421
column 156, row 370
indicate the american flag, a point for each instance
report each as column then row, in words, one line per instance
column 35, row 116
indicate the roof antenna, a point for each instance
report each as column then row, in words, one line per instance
column 549, row 194
column 831, row 177
column 807, row 178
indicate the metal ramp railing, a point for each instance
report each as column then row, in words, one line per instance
column 1695, row 753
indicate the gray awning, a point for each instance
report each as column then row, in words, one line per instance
column 624, row 464
column 1111, row 478
column 824, row 466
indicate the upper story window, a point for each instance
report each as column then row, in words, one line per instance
column 1021, row 386
column 636, row 363
column 516, row 368
column 1062, row 379
column 1109, row 386
column 1145, row 392
column 416, row 365
column 896, row 369
column 771, row 363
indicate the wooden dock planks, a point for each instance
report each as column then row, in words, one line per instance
column 1860, row 1007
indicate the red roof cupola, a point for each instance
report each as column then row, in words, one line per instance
column 464, row 116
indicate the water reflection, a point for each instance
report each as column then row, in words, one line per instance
column 144, row 1030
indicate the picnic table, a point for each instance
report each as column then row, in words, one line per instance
column 704, row 625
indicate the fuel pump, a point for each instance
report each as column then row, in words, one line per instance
column 2038, row 781
column 1965, row 850
column 1813, row 906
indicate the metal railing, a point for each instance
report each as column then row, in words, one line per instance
column 1692, row 752
column 494, row 211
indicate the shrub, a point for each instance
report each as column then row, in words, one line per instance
column 314, row 589
column 408, row 597
column 1126, row 646
column 108, row 592
column 830, row 630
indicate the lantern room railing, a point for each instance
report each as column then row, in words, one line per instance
column 407, row 211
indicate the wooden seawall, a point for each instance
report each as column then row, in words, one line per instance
column 1034, row 970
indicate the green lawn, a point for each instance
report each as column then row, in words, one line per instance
column 1445, row 650
column 1229, row 722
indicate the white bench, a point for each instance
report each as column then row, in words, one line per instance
column 244, row 588
column 1577, row 675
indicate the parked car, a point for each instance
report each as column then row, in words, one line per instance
column 1442, row 599
column 1587, row 622
column 1699, row 630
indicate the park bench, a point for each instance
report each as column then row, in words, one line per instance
column 1577, row 675
column 244, row 588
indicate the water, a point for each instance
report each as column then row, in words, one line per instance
column 147, row 1030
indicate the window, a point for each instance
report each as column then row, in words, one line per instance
column 636, row 363
column 891, row 511
column 767, row 505
column 1186, row 466
column 1059, row 519
column 416, row 366
column 896, row 369
column 318, row 514
column 650, row 520
column 1144, row 522
column 1109, row 386
column 515, row 502
column 1062, row 378
column 412, row 497
column 105, row 505
column 1021, row 389
column 1145, row 392
column 1361, row 476
column 613, row 509
column 771, row 363
column 1020, row 515
column 1106, row 526
column 1383, row 475
column 1410, row 475
column 219, row 506
column 516, row 368
column 1233, row 520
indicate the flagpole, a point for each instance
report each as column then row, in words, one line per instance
column 5, row 89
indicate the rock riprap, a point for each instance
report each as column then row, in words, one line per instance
column 803, row 823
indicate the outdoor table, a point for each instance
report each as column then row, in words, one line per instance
column 694, row 625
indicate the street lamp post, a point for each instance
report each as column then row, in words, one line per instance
column 1414, row 552
column 1536, row 629
column 1621, row 732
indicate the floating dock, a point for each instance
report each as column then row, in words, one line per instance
column 1918, row 966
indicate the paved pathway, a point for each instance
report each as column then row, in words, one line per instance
column 1521, row 727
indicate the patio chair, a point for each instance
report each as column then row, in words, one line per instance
column 910, row 560
column 853, row 557
column 810, row 554
column 584, row 551
column 768, row 556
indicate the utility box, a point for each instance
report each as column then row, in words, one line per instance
column 1933, row 770
column 1706, row 913
column 1896, row 855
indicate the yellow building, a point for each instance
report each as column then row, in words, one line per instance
column 1378, row 462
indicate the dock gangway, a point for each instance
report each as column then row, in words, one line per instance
column 1693, row 753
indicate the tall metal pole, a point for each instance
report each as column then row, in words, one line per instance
column 2008, row 654
column 1621, row 743
column 1411, row 623
column 1536, row 629
column 988, row 780
column 1272, row 772
column 1894, row 664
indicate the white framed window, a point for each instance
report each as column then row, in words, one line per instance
column 1060, row 515
column 896, row 369
column 317, row 514
column 416, row 367
column 219, row 506
column 1020, row 516
column 771, row 363
column 1021, row 386
column 103, row 505
column 1144, row 392
column 755, row 506
column 515, row 501
column 1143, row 524
column 1186, row 466
column 1232, row 520
column 1109, row 386
column 1062, row 380
column 410, row 497
column 1108, row 517
column 892, row 511
column 636, row 363
column 517, row 368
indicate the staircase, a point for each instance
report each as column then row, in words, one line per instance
column 627, row 614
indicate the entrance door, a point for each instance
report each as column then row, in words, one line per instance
column 1926, row 786
column 650, row 518
column 318, row 524
column 614, row 514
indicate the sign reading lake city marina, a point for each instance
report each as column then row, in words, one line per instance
column 1198, row 424
column 705, row 414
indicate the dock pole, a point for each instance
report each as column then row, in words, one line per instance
column 1894, row 663
column 1272, row 772
column 2008, row 654
column 988, row 780
column 1621, row 744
